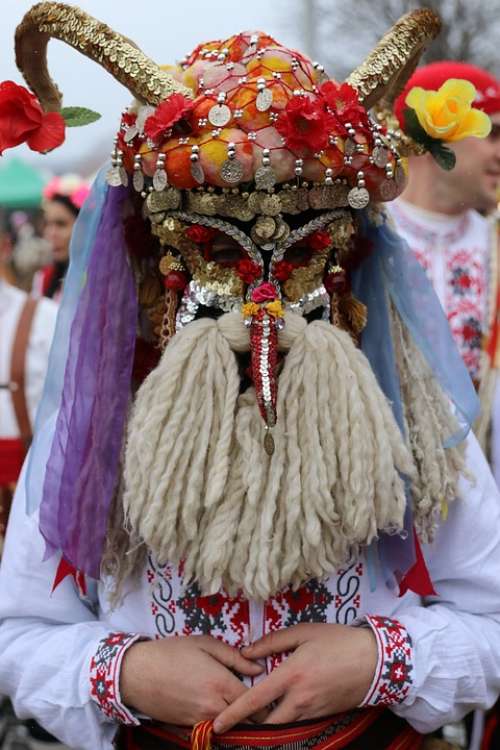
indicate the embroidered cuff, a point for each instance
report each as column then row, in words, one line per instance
column 392, row 679
column 105, row 668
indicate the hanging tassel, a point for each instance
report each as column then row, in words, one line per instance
column 265, row 315
column 175, row 281
column 354, row 313
column 346, row 311
column 201, row 736
column 167, row 329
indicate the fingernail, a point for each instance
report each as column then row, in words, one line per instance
column 217, row 727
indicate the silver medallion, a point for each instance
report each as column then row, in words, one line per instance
column 388, row 190
column 358, row 197
column 113, row 177
column 123, row 176
column 265, row 179
column 130, row 133
column 197, row 173
column 264, row 100
column 231, row 171
column 219, row 115
column 380, row 156
column 138, row 181
column 160, row 180
column 143, row 114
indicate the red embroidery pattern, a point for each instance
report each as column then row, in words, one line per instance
column 219, row 615
column 466, row 304
column 105, row 676
column 392, row 680
column 467, row 281
column 182, row 610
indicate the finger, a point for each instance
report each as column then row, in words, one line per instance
column 284, row 712
column 231, row 657
column 275, row 643
column 232, row 688
column 252, row 701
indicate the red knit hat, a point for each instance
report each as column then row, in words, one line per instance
column 433, row 76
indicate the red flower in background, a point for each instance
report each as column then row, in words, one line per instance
column 22, row 120
column 304, row 124
column 167, row 114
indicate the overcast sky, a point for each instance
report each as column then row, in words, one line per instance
column 165, row 29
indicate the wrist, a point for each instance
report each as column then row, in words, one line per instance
column 105, row 676
column 392, row 677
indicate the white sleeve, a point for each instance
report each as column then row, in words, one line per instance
column 47, row 640
column 495, row 430
column 456, row 635
column 37, row 354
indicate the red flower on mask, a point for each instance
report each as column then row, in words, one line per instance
column 319, row 240
column 343, row 101
column 197, row 233
column 167, row 114
column 248, row 271
column 283, row 270
column 265, row 292
column 22, row 120
column 305, row 124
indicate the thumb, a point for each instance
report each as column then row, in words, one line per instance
column 232, row 658
column 287, row 639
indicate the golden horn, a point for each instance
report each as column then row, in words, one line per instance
column 386, row 70
column 128, row 64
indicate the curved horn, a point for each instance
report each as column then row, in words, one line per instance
column 143, row 77
column 386, row 70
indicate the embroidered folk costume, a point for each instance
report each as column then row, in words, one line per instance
column 460, row 256
column 256, row 415
column 26, row 333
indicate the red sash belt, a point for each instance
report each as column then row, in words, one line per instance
column 360, row 730
column 12, row 453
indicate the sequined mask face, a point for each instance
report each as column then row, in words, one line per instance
column 219, row 264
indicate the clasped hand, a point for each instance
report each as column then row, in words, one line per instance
column 186, row 680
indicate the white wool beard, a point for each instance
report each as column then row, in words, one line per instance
column 200, row 487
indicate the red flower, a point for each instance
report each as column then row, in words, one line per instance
column 264, row 293
column 283, row 270
column 167, row 114
column 248, row 271
column 197, row 233
column 319, row 240
column 129, row 118
column 304, row 124
column 343, row 101
column 22, row 120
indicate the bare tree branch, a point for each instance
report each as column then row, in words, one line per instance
column 346, row 30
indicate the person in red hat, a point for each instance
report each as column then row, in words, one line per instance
column 447, row 219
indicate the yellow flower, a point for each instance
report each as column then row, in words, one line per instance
column 448, row 114
column 275, row 308
column 250, row 309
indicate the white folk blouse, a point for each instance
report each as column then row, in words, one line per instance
column 60, row 652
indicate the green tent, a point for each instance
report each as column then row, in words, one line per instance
column 21, row 185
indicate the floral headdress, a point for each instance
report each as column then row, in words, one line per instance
column 247, row 183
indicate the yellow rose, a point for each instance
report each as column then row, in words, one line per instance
column 448, row 114
column 275, row 309
column 250, row 309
